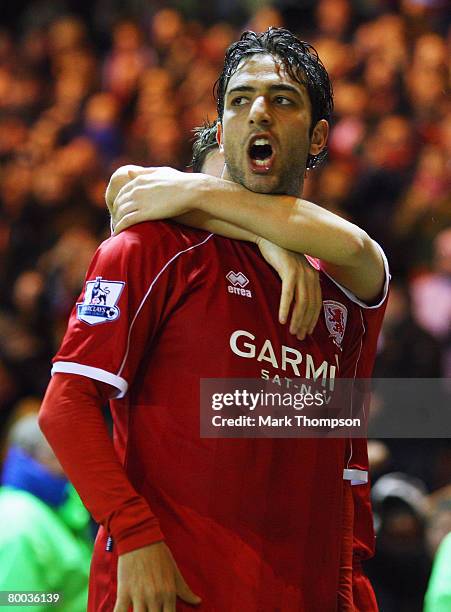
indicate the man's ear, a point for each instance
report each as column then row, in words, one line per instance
column 219, row 136
column 319, row 137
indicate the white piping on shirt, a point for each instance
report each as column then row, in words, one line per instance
column 151, row 286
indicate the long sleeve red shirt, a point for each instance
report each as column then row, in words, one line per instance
column 72, row 411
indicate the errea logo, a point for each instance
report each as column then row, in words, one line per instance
column 238, row 283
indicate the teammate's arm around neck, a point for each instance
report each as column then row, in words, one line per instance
column 348, row 254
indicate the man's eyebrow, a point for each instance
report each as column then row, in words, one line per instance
column 275, row 87
column 285, row 87
column 241, row 88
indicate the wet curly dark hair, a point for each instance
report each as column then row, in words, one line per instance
column 299, row 59
column 204, row 142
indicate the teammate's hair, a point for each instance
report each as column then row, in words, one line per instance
column 204, row 142
column 299, row 59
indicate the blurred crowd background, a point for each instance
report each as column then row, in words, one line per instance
column 87, row 87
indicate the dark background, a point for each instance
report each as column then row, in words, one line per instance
column 87, row 87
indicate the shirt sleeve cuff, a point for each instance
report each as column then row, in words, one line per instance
column 356, row 477
column 150, row 534
column 70, row 367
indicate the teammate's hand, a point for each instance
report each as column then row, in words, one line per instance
column 119, row 179
column 151, row 194
column 300, row 282
column 149, row 580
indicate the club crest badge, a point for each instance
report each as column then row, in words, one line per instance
column 336, row 316
column 99, row 303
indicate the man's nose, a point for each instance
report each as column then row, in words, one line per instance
column 260, row 112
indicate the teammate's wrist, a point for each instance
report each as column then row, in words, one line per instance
column 203, row 193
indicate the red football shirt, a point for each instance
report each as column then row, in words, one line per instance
column 357, row 455
column 254, row 524
column 364, row 537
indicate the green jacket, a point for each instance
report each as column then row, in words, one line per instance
column 43, row 549
column 438, row 595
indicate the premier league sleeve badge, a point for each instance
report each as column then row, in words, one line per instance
column 99, row 303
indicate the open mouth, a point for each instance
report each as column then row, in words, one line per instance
column 261, row 154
